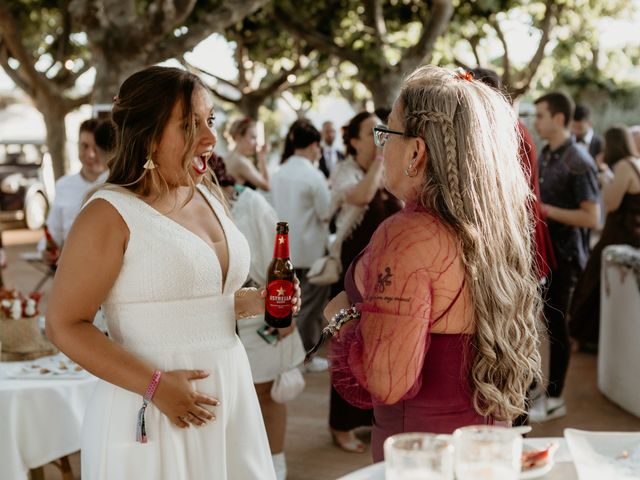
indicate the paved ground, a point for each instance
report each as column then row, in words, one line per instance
column 310, row 453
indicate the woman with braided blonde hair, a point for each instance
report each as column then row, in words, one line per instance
column 445, row 297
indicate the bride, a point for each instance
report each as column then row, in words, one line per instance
column 156, row 248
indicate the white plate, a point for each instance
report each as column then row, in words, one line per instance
column 598, row 455
column 542, row 470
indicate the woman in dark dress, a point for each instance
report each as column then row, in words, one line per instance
column 363, row 204
column 621, row 197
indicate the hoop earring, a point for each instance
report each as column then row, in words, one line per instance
column 411, row 171
column 150, row 164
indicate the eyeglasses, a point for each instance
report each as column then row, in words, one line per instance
column 381, row 135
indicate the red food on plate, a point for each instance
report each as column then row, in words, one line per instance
column 532, row 458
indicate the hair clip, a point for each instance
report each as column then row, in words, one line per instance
column 463, row 74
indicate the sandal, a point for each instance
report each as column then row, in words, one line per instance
column 352, row 446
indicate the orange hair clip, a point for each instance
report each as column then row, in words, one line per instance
column 464, row 74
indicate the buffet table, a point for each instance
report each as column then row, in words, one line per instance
column 41, row 412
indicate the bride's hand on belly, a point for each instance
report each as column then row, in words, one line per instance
column 176, row 398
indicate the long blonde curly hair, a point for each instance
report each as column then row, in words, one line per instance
column 475, row 183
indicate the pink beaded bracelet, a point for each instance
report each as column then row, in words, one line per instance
column 141, row 431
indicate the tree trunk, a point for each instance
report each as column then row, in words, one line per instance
column 110, row 73
column 249, row 105
column 384, row 88
column 54, row 113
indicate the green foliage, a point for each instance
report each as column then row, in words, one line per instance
column 49, row 34
column 345, row 22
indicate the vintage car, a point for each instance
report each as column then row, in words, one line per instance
column 27, row 184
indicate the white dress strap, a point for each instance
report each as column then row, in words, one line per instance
column 127, row 205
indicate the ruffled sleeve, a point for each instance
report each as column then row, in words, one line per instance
column 379, row 358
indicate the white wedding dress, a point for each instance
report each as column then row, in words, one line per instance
column 169, row 307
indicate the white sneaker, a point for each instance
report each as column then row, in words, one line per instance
column 317, row 364
column 547, row 408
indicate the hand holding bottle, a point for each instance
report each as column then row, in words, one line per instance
column 250, row 302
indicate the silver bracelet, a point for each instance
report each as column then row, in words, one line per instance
column 340, row 318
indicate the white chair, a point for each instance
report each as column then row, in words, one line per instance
column 619, row 351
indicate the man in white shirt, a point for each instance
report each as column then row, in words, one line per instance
column 301, row 197
column 330, row 153
column 72, row 189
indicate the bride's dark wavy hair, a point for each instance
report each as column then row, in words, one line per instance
column 140, row 114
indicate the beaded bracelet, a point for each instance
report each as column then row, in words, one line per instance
column 141, row 430
column 339, row 319
column 342, row 317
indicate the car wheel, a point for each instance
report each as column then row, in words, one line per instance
column 35, row 211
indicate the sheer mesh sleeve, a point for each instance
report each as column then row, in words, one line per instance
column 379, row 358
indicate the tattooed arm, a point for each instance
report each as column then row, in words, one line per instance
column 379, row 359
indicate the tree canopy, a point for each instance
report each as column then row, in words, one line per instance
column 358, row 49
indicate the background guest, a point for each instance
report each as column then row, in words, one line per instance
column 582, row 130
column 301, row 197
column 362, row 202
column 256, row 219
column 621, row 198
column 71, row 190
column 570, row 196
column 331, row 156
column 244, row 138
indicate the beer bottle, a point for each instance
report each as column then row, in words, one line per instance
column 51, row 247
column 280, row 289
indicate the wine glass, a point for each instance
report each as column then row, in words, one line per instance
column 418, row 456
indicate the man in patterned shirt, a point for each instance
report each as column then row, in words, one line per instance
column 570, row 197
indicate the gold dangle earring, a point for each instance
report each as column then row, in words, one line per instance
column 150, row 164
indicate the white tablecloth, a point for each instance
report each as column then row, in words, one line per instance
column 562, row 470
column 40, row 419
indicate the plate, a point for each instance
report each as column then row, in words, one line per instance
column 605, row 455
column 542, row 470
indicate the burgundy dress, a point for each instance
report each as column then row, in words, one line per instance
column 417, row 381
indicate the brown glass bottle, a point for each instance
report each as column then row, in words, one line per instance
column 280, row 289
